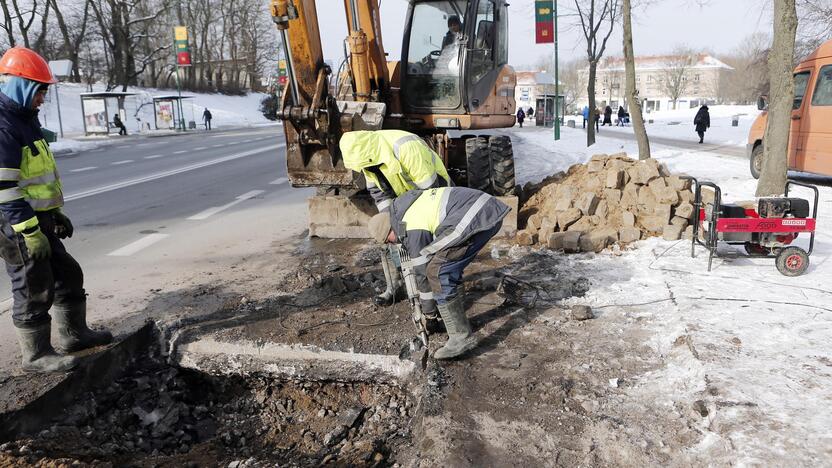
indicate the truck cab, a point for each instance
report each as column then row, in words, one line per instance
column 810, row 136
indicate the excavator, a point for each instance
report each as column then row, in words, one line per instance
column 453, row 77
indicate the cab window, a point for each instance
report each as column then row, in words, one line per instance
column 434, row 54
column 801, row 81
column 823, row 90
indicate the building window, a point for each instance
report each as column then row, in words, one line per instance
column 696, row 77
column 649, row 78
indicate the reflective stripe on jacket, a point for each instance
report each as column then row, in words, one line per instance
column 427, row 221
column 29, row 179
column 403, row 158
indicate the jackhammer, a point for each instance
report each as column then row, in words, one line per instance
column 413, row 295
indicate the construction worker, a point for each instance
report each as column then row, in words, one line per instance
column 393, row 162
column 442, row 230
column 43, row 274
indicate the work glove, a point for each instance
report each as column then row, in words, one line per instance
column 38, row 245
column 63, row 226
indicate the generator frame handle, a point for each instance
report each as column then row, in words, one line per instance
column 789, row 183
column 711, row 239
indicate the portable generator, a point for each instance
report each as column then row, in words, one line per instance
column 766, row 227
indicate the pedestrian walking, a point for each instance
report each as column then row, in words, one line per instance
column 597, row 120
column 702, row 122
column 621, row 116
column 206, row 118
column 122, row 130
column 608, row 116
column 585, row 113
column 44, row 275
column 442, row 229
column 520, row 116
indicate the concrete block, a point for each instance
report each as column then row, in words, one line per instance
column 548, row 223
column 587, row 203
column 656, row 184
column 679, row 221
column 666, row 195
column 615, row 179
column 572, row 241
column 525, row 237
column 612, row 195
column 598, row 240
column 629, row 197
column 555, row 240
column 672, row 232
column 688, row 234
column 340, row 217
column 653, row 224
column 568, row 217
column 628, row 219
column 533, row 223
column 595, row 166
column 629, row 234
column 643, row 172
column 582, row 225
column 646, row 200
column 664, row 212
column 685, row 210
column 509, row 228
column 686, row 196
column 594, row 184
column 543, row 234
column 602, row 209
column 678, row 183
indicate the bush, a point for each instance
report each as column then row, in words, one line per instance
column 269, row 106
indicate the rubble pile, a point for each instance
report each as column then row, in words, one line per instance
column 158, row 415
column 611, row 199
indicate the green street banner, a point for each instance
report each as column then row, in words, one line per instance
column 544, row 21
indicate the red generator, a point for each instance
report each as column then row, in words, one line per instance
column 766, row 228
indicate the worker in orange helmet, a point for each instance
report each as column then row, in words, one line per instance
column 44, row 275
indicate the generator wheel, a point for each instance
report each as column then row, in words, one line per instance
column 478, row 160
column 756, row 161
column 502, row 165
column 792, row 261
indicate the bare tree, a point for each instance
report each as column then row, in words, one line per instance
column 572, row 79
column 631, row 92
column 780, row 60
column 73, row 28
column 597, row 20
column 749, row 77
column 675, row 72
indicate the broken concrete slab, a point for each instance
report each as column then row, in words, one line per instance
column 587, row 203
column 572, row 241
column 672, row 232
column 629, row 234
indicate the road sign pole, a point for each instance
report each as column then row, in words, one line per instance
column 557, row 83
column 58, row 101
column 179, row 101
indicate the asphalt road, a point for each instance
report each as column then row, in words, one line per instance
column 727, row 150
column 130, row 197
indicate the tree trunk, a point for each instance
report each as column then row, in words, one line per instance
column 590, row 93
column 780, row 63
column 630, row 82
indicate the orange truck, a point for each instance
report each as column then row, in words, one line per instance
column 810, row 137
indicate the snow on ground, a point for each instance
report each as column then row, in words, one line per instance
column 678, row 124
column 226, row 110
column 751, row 344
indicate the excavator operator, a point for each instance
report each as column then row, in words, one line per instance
column 393, row 162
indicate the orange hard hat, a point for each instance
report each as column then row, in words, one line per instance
column 26, row 63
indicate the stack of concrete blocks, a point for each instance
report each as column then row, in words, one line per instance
column 611, row 199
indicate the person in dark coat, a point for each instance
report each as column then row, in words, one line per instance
column 702, row 121
column 597, row 119
column 621, row 115
column 206, row 118
column 608, row 116
column 122, row 130
column 521, row 116
column 454, row 30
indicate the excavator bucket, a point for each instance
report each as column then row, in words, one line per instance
column 311, row 165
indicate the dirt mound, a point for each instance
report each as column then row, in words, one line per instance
column 611, row 199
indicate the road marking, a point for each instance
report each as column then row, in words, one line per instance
column 83, row 169
column 116, row 163
column 180, row 152
column 160, row 175
column 216, row 209
column 200, row 148
column 154, row 156
column 279, row 181
column 137, row 246
column 218, row 146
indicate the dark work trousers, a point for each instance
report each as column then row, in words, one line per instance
column 37, row 284
column 445, row 268
column 207, row 124
column 701, row 134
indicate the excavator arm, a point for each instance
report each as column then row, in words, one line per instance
column 313, row 121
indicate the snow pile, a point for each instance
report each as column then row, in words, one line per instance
column 611, row 199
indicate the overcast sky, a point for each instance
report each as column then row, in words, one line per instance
column 717, row 27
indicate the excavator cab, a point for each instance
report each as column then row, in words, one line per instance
column 453, row 56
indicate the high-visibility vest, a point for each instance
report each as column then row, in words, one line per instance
column 38, row 182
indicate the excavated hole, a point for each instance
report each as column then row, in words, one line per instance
column 159, row 415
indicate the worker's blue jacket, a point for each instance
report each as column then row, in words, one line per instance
column 29, row 180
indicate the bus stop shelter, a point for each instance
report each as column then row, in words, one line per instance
column 98, row 110
column 169, row 110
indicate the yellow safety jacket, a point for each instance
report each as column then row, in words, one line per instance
column 402, row 158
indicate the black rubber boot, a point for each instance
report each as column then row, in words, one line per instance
column 38, row 354
column 460, row 338
column 73, row 332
